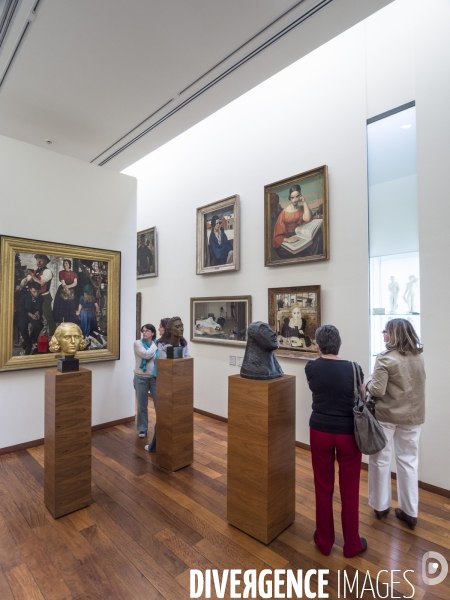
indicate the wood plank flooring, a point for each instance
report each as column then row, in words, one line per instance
column 146, row 529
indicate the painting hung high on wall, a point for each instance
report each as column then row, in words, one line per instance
column 295, row 314
column 147, row 254
column 218, row 236
column 45, row 284
column 296, row 219
column 221, row 319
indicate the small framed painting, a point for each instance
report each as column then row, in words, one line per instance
column 222, row 320
column 218, row 236
column 295, row 315
column 147, row 254
column 296, row 219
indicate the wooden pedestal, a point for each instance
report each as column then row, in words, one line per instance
column 174, row 413
column 261, row 455
column 67, row 463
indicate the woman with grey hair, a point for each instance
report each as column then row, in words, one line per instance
column 332, row 436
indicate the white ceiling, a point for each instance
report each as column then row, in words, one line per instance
column 88, row 72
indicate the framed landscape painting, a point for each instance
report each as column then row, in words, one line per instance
column 222, row 320
column 44, row 284
column 218, row 236
column 296, row 219
column 147, row 254
column 295, row 314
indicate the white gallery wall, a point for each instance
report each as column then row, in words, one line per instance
column 432, row 65
column 312, row 113
column 51, row 197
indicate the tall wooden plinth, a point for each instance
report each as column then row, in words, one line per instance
column 175, row 413
column 67, row 465
column 261, row 455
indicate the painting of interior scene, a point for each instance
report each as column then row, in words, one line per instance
column 296, row 321
column 225, row 320
column 50, row 290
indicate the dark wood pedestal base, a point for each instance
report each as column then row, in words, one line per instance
column 67, row 466
column 261, row 455
column 175, row 413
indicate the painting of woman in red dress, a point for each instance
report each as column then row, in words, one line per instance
column 65, row 305
column 296, row 219
column 294, row 215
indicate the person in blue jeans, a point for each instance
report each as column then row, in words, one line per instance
column 145, row 351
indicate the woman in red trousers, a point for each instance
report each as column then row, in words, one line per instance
column 332, row 437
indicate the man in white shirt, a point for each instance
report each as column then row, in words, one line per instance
column 43, row 277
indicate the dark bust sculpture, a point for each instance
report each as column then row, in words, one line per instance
column 259, row 361
column 176, row 329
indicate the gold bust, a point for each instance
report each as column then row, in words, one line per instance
column 67, row 339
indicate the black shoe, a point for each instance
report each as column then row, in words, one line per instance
column 381, row 513
column 410, row 521
column 364, row 545
column 150, row 447
column 142, row 433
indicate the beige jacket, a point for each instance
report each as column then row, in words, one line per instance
column 398, row 382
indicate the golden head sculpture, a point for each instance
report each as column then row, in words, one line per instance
column 67, row 339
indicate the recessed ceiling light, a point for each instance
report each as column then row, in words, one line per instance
column 406, row 126
column 49, row 142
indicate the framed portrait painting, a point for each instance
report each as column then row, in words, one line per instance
column 44, row 284
column 147, row 254
column 222, row 320
column 296, row 219
column 295, row 314
column 218, row 236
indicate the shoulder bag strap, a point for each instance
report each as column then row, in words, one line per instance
column 355, row 386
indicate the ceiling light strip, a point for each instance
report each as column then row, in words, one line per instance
column 30, row 18
column 8, row 13
column 312, row 11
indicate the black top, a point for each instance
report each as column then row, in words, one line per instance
column 331, row 383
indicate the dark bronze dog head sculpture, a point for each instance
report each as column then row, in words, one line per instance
column 259, row 360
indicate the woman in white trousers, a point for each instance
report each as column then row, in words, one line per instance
column 398, row 384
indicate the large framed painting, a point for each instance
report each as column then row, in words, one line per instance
column 147, row 254
column 295, row 314
column 44, row 284
column 218, row 236
column 222, row 320
column 296, row 219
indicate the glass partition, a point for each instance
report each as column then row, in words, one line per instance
column 393, row 223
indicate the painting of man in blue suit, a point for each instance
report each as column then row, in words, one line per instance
column 220, row 246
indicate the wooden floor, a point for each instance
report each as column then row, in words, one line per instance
column 147, row 528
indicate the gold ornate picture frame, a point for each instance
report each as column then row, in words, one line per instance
column 296, row 221
column 295, row 314
column 218, row 236
column 82, row 285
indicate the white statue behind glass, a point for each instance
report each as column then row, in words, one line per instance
column 393, row 298
column 410, row 295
